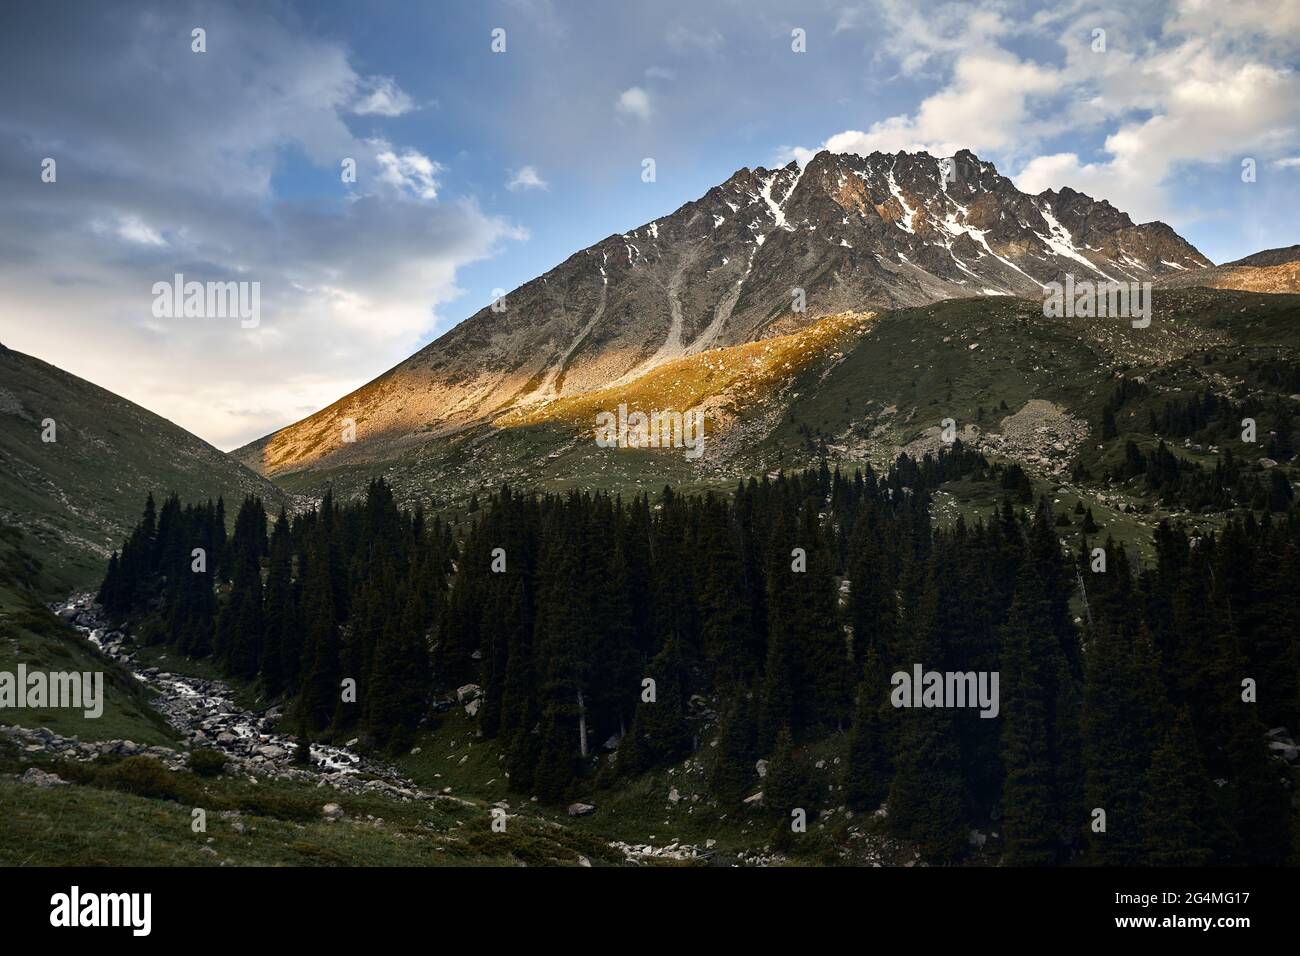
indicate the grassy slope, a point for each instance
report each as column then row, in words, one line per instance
column 923, row 358
column 105, row 821
column 30, row 634
column 836, row 375
column 76, row 498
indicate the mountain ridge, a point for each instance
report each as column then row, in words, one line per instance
column 75, row 497
column 1270, row 270
column 844, row 233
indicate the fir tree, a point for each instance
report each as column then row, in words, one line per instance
column 732, row 775
column 867, row 774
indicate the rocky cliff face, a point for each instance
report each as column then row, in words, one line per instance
column 767, row 252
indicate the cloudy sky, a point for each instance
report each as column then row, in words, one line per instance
column 478, row 170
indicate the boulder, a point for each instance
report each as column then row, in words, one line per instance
column 581, row 809
column 472, row 707
column 761, row 767
column 332, row 811
column 468, row 692
column 39, row 778
column 674, row 796
column 754, row 798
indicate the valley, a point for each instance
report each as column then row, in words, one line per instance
column 869, row 348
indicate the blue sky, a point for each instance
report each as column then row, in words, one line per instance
column 480, row 170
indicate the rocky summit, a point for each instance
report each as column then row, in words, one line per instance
column 767, row 252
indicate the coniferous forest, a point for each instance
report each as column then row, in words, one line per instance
column 613, row 636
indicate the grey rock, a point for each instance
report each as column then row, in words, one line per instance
column 39, row 778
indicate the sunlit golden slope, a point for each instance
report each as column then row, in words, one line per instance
column 732, row 377
column 1272, row 271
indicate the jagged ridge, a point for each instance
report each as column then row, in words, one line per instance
column 852, row 232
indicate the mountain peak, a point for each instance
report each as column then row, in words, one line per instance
column 844, row 233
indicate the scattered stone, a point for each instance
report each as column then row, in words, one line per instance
column 581, row 809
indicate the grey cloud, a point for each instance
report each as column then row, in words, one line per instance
column 165, row 160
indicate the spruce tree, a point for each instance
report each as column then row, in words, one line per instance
column 867, row 775
column 1028, row 812
column 786, row 786
column 732, row 774
column 1172, row 806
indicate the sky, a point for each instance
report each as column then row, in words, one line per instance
column 492, row 139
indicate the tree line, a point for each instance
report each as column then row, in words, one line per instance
column 764, row 623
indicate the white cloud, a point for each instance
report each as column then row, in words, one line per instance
column 1207, row 84
column 1290, row 162
column 687, row 38
column 635, row 102
column 984, row 107
column 411, row 171
column 1208, row 103
column 133, row 229
column 130, row 229
column 526, row 177
column 381, row 96
column 1261, row 18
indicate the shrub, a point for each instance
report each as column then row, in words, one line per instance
column 207, row 761
column 278, row 806
column 145, row 777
